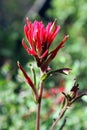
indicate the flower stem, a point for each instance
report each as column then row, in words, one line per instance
column 38, row 117
column 39, row 107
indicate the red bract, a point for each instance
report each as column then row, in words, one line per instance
column 40, row 39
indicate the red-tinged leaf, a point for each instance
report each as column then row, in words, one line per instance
column 28, row 80
column 30, row 52
column 63, row 71
column 54, row 52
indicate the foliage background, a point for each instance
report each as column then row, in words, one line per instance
column 17, row 107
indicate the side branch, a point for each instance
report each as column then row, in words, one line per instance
column 59, row 117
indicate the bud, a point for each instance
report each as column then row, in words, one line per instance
column 73, row 92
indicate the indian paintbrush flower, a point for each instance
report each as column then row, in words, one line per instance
column 40, row 39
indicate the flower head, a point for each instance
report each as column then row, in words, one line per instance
column 40, row 39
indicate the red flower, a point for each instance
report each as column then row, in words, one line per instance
column 53, row 91
column 40, row 39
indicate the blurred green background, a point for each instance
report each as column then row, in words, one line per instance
column 17, row 107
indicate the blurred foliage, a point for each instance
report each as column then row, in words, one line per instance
column 72, row 17
column 17, row 106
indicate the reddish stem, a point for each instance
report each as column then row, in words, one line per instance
column 62, row 112
column 39, row 107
